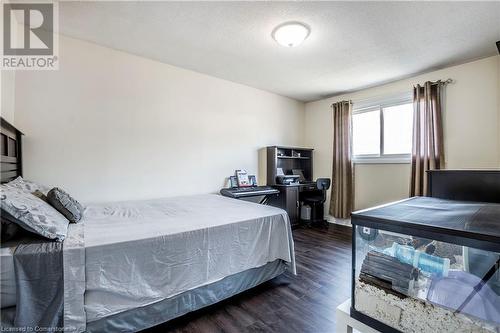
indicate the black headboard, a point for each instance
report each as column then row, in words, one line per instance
column 11, row 159
column 468, row 185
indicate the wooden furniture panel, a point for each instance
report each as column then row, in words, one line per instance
column 292, row 205
column 287, row 159
column 468, row 185
column 287, row 199
column 11, row 151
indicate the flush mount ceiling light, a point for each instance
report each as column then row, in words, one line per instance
column 290, row 34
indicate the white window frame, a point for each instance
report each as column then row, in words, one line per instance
column 374, row 105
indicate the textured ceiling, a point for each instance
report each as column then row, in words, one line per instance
column 352, row 44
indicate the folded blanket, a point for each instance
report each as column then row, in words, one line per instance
column 40, row 285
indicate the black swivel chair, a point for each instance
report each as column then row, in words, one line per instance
column 316, row 202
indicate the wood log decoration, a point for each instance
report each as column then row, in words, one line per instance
column 388, row 273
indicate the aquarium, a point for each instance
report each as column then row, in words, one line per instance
column 427, row 265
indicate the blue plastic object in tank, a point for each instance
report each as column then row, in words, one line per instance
column 425, row 262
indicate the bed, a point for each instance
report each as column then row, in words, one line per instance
column 128, row 266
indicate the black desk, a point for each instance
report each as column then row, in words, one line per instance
column 290, row 197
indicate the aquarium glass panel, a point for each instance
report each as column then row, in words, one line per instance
column 402, row 277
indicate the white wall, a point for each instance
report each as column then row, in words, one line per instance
column 7, row 88
column 471, row 129
column 110, row 126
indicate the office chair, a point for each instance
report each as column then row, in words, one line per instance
column 317, row 202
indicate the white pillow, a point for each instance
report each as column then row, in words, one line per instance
column 27, row 185
column 32, row 213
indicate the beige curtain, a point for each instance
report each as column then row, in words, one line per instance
column 427, row 149
column 341, row 203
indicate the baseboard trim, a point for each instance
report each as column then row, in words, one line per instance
column 333, row 220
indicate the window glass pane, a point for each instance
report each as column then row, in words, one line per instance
column 366, row 133
column 398, row 124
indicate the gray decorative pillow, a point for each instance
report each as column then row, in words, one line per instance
column 65, row 204
column 32, row 213
column 27, row 185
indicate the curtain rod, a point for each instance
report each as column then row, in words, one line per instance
column 447, row 81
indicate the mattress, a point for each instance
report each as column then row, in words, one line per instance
column 141, row 252
column 7, row 277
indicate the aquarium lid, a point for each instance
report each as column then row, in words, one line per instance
column 467, row 223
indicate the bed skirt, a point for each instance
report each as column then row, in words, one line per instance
column 154, row 314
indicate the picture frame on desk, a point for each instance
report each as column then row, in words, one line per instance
column 242, row 178
column 233, row 181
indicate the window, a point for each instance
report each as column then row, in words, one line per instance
column 382, row 132
column 398, row 126
column 366, row 133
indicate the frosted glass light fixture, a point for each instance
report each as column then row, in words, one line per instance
column 291, row 34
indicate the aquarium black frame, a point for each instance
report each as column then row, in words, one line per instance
column 459, row 237
column 477, row 240
column 372, row 322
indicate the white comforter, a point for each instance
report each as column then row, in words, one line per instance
column 140, row 252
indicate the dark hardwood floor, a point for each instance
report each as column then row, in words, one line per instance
column 288, row 303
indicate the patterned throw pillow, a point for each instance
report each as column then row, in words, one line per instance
column 65, row 204
column 32, row 213
column 27, row 185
